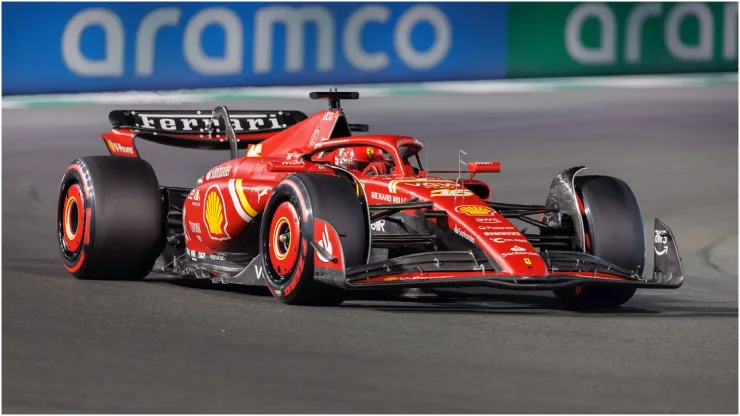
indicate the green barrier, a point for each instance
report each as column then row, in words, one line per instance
column 574, row 39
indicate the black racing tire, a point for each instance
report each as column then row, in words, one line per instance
column 110, row 222
column 615, row 232
column 300, row 198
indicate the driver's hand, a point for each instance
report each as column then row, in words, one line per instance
column 377, row 168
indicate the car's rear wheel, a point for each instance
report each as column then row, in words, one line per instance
column 614, row 231
column 287, row 232
column 109, row 218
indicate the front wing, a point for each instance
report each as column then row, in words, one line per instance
column 470, row 269
column 556, row 280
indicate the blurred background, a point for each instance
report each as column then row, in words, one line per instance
column 643, row 91
column 64, row 47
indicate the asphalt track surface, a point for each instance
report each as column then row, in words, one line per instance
column 85, row 346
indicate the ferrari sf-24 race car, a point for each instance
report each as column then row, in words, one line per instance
column 314, row 212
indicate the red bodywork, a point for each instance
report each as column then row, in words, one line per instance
column 229, row 198
column 233, row 193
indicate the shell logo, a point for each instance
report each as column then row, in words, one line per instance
column 214, row 214
column 474, row 210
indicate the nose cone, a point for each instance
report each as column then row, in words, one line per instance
column 475, row 221
column 471, row 218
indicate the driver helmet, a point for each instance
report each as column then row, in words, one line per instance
column 357, row 158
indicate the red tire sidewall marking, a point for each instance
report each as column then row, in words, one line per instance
column 74, row 206
column 74, row 183
column 291, row 192
column 285, row 219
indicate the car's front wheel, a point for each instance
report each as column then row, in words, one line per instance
column 614, row 231
column 288, row 232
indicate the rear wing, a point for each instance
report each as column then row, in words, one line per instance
column 187, row 122
column 197, row 129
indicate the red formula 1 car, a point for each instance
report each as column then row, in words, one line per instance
column 314, row 212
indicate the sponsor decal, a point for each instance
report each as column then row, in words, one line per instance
column 439, row 185
column 519, row 253
column 261, row 193
column 509, row 240
column 314, row 137
column 517, row 248
column 527, row 261
column 325, row 244
column 451, row 192
column 489, row 220
column 661, row 239
column 393, row 199
column 378, row 225
column 194, row 227
column 214, row 214
column 487, row 164
column 254, row 150
column 424, row 277
column 393, row 185
column 329, row 116
column 488, row 227
column 218, row 172
column 324, row 142
column 202, row 122
column 475, row 210
column 489, row 233
column 463, row 234
column 118, row 148
column 200, row 255
column 194, row 195
column 258, row 271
